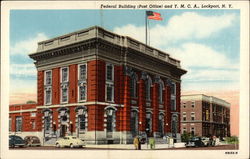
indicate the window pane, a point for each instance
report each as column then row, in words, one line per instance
column 109, row 93
column 64, row 95
column 173, row 104
column 48, row 96
column 18, row 123
column 109, row 72
column 47, row 123
column 82, row 92
column 48, row 78
column 81, row 120
column 64, row 74
column 147, row 90
column 82, row 74
column 133, row 87
column 172, row 88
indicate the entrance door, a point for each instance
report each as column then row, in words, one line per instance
column 134, row 123
column 149, row 124
column 63, row 130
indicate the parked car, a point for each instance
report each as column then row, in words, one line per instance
column 15, row 140
column 32, row 141
column 194, row 142
column 206, row 141
column 70, row 141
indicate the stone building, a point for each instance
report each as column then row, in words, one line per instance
column 205, row 115
column 104, row 88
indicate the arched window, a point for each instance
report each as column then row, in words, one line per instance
column 148, row 84
column 161, row 88
column 133, row 86
column 110, row 119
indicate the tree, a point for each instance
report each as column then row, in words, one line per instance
column 30, row 102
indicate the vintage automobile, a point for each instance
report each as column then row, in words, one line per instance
column 32, row 141
column 15, row 140
column 206, row 141
column 69, row 141
column 194, row 142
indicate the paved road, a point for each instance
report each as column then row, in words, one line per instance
column 220, row 147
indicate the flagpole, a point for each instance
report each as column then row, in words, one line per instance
column 146, row 27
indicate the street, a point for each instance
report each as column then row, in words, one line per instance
column 219, row 147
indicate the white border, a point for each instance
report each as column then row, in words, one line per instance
column 243, row 152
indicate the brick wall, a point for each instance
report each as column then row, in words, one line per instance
column 40, row 87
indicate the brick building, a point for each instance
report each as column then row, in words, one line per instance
column 102, row 87
column 205, row 115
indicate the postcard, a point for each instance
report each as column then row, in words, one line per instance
column 123, row 79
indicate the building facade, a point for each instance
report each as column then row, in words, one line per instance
column 205, row 116
column 104, row 88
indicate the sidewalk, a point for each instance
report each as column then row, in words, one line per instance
column 129, row 146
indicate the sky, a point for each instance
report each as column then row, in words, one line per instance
column 207, row 42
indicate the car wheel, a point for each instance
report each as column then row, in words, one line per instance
column 71, row 146
column 57, row 145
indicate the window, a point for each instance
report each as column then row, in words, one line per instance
column 148, row 89
column 10, row 124
column 184, row 105
column 82, row 72
column 64, row 95
column 184, row 130
column 19, row 124
column 110, row 92
column 184, row 116
column 33, row 125
column 82, row 93
column 109, row 83
column 82, row 122
column 47, row 124
column 47, row 83
column 160, row 93
column 110, row 120
column 48, row 96
column 192, row 131
column 193, row 104
column 173, row 104
column 32, row 114
column 109, row 72
column 161, row 124
column 48, row 77
column 192, row 116
column 172, row 87
column 82, row 85
column 133, row 88
column 64, row 74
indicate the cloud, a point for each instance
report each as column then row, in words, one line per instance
column 23, row 70
column 28, row 45
column 187, row 26
column 200, row 55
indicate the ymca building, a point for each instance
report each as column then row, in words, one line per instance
column 101, row 87
column 205, row 115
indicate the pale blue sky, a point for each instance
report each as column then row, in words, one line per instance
column 200, row 34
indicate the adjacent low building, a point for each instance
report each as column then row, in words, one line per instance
column 101, row 87
column 205, row 115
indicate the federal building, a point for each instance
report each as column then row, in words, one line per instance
column 101, row 87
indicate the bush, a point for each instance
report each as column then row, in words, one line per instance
column 232, row 140
column 186, row 136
